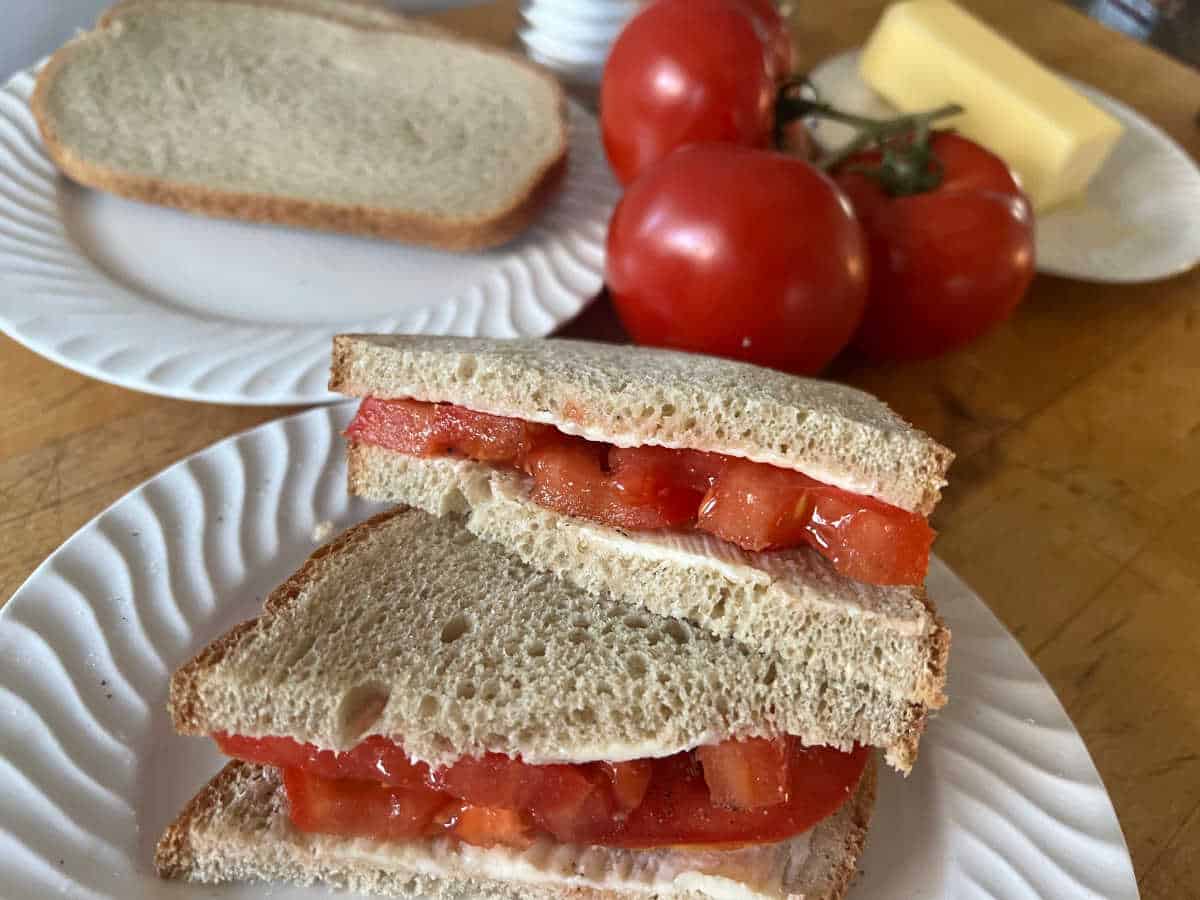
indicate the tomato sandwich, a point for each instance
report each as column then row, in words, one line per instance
column 786, row 513
column 418, row 713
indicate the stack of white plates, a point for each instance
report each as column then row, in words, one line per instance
column 573, row 37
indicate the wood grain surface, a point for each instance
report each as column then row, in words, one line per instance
column 1074, row 506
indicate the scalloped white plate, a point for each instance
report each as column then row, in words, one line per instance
column 185, row 306
column 1004, row 802
column 1139, row 219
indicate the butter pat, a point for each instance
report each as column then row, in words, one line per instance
column 926, row 53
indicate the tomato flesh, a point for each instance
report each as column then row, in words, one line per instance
column 361, row 808
column 746, row 774
column 753, row 505
column 736, row 793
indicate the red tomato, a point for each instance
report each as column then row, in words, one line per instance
column 376, row 758
column 437, row 429
column 773, row 31
column 486, row 826
column 753, row 505
column 569, row 476
column 677, row 809
column 747, row 774
column 761, row 507
column 362, row 808
column 738, row 252
column 946, row 265
column 683, row 72
column 629, row 782
column 760, row 791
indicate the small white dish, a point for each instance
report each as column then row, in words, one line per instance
column 1004, row 801
column 573, row 37
column 185, row 306
column 1139, row 219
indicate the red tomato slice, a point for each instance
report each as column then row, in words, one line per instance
column 569, row 476
column 630, row 781
column 677, row 810
column 747, row 774
column 753, row 505
column 488, row 826
column 760, row 507
column 361, row 808
column 643, row 803
column 436, row 429
column 375, row 759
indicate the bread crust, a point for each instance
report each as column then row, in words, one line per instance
column 834, row 849
column 406, row 226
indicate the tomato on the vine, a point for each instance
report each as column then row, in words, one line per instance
column 774, row 33
column 685, row 72
column 948, row 262
column 738, row 252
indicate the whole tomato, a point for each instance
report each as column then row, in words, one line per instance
column 738, row 252
column 773, row 32
column 947, row 263
column 684, row 72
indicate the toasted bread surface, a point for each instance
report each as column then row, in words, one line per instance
column 348, row 119
column 632, row 396
column 237, row 829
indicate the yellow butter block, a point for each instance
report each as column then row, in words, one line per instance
column 925, row 53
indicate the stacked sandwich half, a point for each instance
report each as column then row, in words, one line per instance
column 635, row 628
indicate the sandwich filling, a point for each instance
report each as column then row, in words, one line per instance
column 718, row 797
column 753, row 505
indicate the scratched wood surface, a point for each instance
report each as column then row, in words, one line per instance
column 1074, row 507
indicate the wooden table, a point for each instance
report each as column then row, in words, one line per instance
column 1074, row 507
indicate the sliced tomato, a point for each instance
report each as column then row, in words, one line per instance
column 758, row 507
column 435, row 429
column 677, row 810
column 361, row 808
column 376, row 758
column 761, row 507
column 489, row 826
column 713, row 796
column 747, row 774
column 870, row 541
column 753, row 505
column 569, row 476
column 630, row 781
column 572, row 802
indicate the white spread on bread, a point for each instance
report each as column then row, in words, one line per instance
column 747, row 873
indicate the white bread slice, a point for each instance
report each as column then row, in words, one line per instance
column 237, row 829
column 632, row 396
column 336, row 117
column 410, row 627
column 822, row 628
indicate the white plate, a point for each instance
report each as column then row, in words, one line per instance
column 1139, row 220
column 1004, row 802
column 229, row 312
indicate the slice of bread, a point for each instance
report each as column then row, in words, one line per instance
column 790, row 605
column 321, row 115
column 632, row 396
column 237, row 829
column 410, row 627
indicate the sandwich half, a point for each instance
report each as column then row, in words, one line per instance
column 418, row 713
column 784, row 512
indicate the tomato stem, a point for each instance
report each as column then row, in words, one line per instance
column 907, row 166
